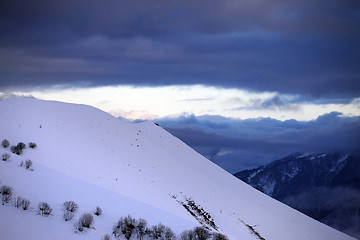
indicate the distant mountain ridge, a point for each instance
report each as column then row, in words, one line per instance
column 325, row 186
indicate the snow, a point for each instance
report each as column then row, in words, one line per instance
column 304, row 155
column 90, row 157
column 268, row 188
column 292, row 172
column 339, row 163
column 59, row 188
column 254, row 174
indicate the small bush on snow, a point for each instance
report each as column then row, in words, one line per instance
column 85, row 221
column 187, row 235
column 219, row 236
column 126, row 226
column 28, row 164
column 98, row 211
column 44, row 209
column 17, row 201
column 32, row 145
column 6, row 194
column 157, row 231
column 141, row 228
column 5, row 157
column 20, row 202
column 201, row 233
column 70, row 206
column 21, row 145
column 68, row 215
column 197, row 233
column 16, row 150
column 106, row 237
column 169, row 234
column 25, row 204
column 5, row 143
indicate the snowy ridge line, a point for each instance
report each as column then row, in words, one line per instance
column 92, row 158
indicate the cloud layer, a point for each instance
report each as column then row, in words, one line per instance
column 308, row 50
column 242, row 144
column 299, row 47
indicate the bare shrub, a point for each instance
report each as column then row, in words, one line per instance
column 126, row 226
column 28, row 164
column 25, row 204
column 187, row 235
column 5, row 143
column 106, row 237
column 219, row 236
column 32, row 145
column 21, row 145
column 85, row 221
column 70, row 206
column 117, row 228
column 98, row 211
column 157, row 231
column 68, row 215
column 141, row 227
column 201, row 233
column 17, row 201
column 20, row 202
column 6, row 194
column 18, row 149
column 5, row 157
column 198, row 233
column 169, row 234
column 44, row 209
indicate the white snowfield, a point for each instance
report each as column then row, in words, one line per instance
column 88, row 156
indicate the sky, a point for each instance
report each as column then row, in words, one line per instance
column 242, row 82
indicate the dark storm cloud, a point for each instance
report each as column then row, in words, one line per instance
column 305, row 47
column 240, row 144
column 275, row 103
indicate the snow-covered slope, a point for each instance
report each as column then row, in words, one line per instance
column 90, row 157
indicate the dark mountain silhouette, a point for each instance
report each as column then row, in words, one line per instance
column 324, row 186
